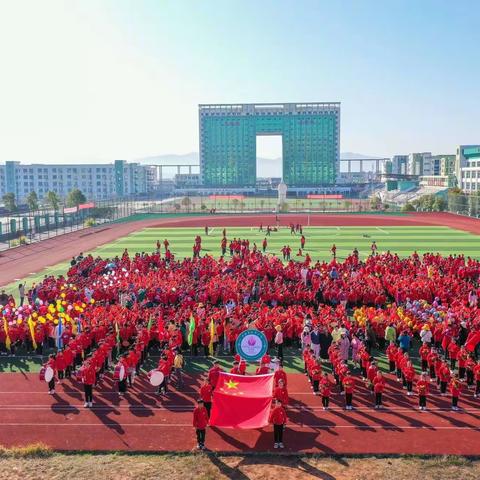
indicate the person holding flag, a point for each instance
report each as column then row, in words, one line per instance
column 278, row 418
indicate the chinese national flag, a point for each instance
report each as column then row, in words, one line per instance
column 241, row 401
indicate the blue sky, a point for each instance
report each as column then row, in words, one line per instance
column 94, row 80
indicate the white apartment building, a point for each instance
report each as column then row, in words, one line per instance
column 96, row 181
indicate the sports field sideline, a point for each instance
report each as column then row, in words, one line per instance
column 402, row 240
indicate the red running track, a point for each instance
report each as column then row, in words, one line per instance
column 144, row 422
column 19, row 262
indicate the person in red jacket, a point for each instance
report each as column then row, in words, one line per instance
column 278, row 418
column 88, row 377
column 213, row 374
column 422, row 388
column 326, row 390
column 262, row 369
column 453, row 350
column 378, row 388
column 316, row 374
column 200, row 422
column 349, row 385
column 455, row 387
column 476, row 374
column 392, row 351
column 423, row 352
column 280, row 375
column 280, row 393
column 444, row 376
column 60, row 365
column 206, row 392
column 206, row 342
column 432, row 361
column 409, row 374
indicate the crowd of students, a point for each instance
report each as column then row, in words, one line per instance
column 107, row 313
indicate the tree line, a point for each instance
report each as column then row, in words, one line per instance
column 74, row 198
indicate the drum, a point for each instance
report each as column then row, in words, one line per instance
column 119, row 372
column 156, row 378
column 42, row 374
column 49, row 374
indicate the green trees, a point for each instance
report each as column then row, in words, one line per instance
column 75, row 197
column 32, row 201
column 53, row 200
column 457, row 201
column 10, row 202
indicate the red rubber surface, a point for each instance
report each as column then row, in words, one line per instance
column 19, row 262
column 144, row 422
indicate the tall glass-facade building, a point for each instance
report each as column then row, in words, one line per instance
column 310, row 142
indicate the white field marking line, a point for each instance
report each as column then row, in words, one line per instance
column 210, row 230
column 189, row 425
column 191, row 392
column 189, row 408
column 383, row 231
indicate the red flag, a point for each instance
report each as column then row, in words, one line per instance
column 241, row 401
column 472, row 341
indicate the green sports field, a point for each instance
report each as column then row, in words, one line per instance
column 401, row 240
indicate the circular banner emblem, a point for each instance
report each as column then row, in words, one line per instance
column 251, row 345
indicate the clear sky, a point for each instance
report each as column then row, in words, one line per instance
column 97, row 80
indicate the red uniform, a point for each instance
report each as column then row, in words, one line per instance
column 200, row 418
column 278, row 416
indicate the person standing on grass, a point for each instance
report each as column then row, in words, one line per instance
column 21, row 293
column 279, row 342
column 200, row 422
column 278, row 418
column 88, row 378
column 264, row 245
column 422, row 388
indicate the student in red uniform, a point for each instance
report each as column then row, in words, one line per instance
column 280, row 375
column 206, row 392
column 316, row 373
column 349, row 385
column 378, row 388
column 453, row 350
column 278, row 418
column 455, row 387
column 88, row 377
column 280, row 393
column 200, row 422
column 213, row 374
column 409, row 374
column 392, row 351
column 444, row 375
column 262, row 369
column 476, row 374
column 422, row 388
column 423, row 352
column 325, row 390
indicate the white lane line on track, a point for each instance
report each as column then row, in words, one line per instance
column 189, row 425
column 383, row 231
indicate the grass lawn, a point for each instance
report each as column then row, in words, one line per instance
column 35, row 462
column 319, row 240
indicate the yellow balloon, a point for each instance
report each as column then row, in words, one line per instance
column 92, row 301
column 19, row 321
column 49, row 316
column 34, row 314
column 62, row 294
column 55, row 322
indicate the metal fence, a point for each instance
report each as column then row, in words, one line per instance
column 34, row 226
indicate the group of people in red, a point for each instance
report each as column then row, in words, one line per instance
column 137, row 302
column 278, row 413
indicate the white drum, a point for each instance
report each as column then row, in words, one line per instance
column 119, row 372
column 49, row 374
column 156, row 378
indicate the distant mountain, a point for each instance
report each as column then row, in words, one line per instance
column 267, row 167
column 360, row 156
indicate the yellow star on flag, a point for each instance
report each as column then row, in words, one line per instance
column 231, row 384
